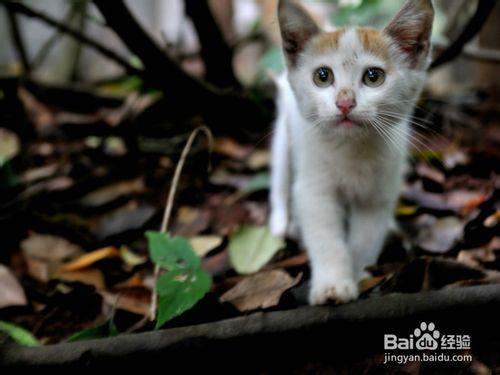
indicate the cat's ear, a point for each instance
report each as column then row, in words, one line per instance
column 297, row 28
column 411, row 29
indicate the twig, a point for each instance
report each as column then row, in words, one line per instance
column 18, row 41
column 170, row 202
column 219, row 66
column 483, row 11
column 160, row 70
column 44, row 50
column 20, row 8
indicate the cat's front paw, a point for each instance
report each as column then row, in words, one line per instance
column 340, row 290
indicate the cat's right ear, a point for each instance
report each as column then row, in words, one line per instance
column 297, row 28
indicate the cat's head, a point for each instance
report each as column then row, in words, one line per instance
column 356, row 78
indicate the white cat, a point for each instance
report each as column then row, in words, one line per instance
column 341, row 135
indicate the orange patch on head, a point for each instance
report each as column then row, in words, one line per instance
column 374, row 42
column 326, row 42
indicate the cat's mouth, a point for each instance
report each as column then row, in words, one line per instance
column 346, row 121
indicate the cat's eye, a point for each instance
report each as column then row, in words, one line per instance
column 323, row 77
column 374, row 77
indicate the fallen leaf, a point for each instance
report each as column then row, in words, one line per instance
column 39, row 173
column 19, row 334
column 111, row 192
column 251, row 247
column 424, row 170
column 367, row 285
column 134, row 300
column 9, row 145
column 259, row 159
column 190, row 221
column 217, row 264
column 229, row 147
column 493, row 220
column 259, row 182
column 202, row 245
column 455, row 157
column 89, row 259
column 89, row 276
column 45, row 253
column 133, row 282
column 457, row 200
column 129, row 217
column 295, row 261
column 403, row 210
column 261, row 290
column 495, row 244
column 11, row 292
column 439, row 235
column 54, row 184
column 130, row 258
column 475, row 257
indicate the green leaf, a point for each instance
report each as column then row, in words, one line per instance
column 360, row 14
column 273, row 60
column 251, row 247
column 19, row 334
column 9, row 145
column 105, row 330
column 180, row 290
column 259, row 182
column 171, row 252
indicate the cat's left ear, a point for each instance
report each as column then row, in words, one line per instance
column 297, row 28
column 411, row 29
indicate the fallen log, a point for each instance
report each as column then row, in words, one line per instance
column 257, row 341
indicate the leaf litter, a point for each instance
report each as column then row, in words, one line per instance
column 80, row 193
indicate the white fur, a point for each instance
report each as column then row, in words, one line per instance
column 341, row 185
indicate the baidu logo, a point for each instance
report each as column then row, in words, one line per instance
column 426, row 337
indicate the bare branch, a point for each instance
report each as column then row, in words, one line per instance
column 18, row 41
column 215, row 52
column 16, row 7
column 483, row 11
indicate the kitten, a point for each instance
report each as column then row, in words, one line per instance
column 341, row 138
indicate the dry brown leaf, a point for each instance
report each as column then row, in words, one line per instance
column 45, row 253
column 424, row 170
column 134, row 300
column 495, row 244
column 475, row 257
column 202, row 245
column 258, row 159
column 39, row 173
column 439, row 235
column 366, row 285
column 108, row 193
column 217, row 264
column 11, row 292
column 88, row 259
column 229, row 147
column 261, row 290
column 190, row 221
column 492, row 220
column 133, row 282
column 89, row 276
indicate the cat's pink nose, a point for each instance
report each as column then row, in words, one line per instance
column 346, row 105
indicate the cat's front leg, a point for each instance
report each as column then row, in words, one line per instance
column 321, row 223
column 368, row 228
